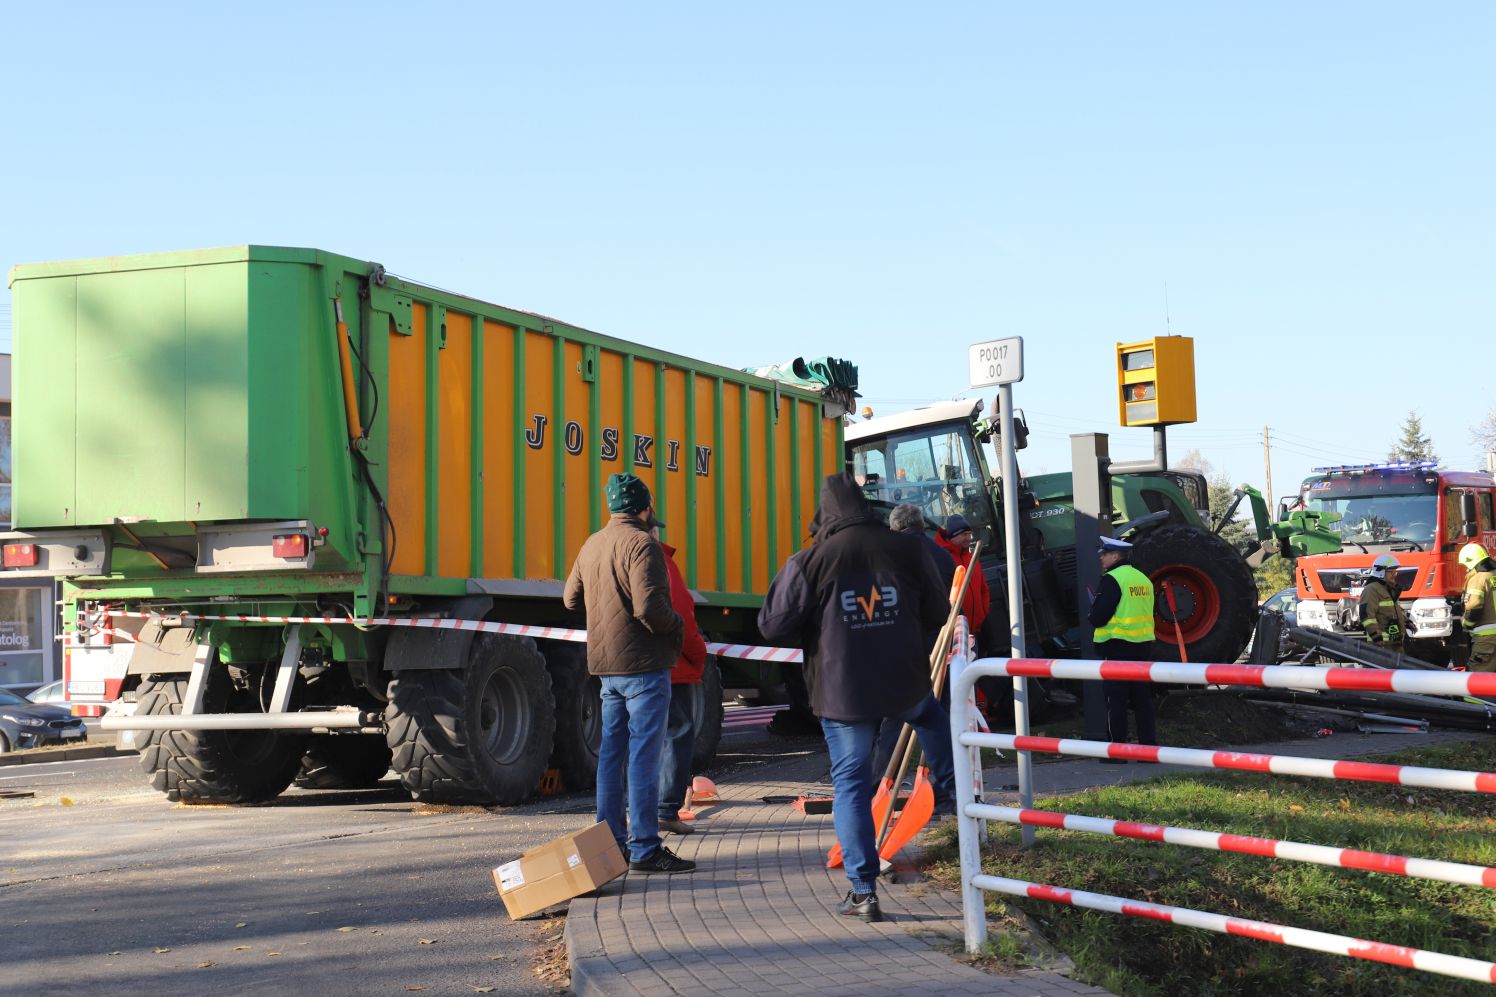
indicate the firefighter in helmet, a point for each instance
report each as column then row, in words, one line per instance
column 1480, row 606
column 1382, row 616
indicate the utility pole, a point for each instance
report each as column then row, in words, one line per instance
column 1267, row 465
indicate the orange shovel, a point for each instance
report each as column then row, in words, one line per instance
column 913, row 818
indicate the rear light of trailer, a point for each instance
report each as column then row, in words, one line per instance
column 289, row 545
column 20, row 555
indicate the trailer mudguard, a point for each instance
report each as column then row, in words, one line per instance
column 415, row 649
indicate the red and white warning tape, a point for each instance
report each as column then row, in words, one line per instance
column 1295, row 851
column 1427, row 683
column 750, row 652
column 1318, row 768
column 1319, row 941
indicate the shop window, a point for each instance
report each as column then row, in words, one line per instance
column 24, row 638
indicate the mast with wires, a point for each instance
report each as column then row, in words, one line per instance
column 1267, row 463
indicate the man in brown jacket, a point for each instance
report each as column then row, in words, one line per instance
column 633, row 638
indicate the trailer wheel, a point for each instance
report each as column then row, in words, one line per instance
column 474, row 734
column 708, row 721
column 214, row 766
column 1213, row 591
column 344, row 761
column 579, row 714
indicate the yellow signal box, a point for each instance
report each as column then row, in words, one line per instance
column 1156, row 381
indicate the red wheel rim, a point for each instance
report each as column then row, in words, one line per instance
column 1195, row 595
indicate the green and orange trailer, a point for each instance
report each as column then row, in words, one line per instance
column 210, row 445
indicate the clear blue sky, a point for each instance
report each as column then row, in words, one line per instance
column 1312, row 182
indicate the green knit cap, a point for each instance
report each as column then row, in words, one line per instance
column 626, row 493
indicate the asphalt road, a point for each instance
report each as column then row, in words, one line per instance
column 105, row 886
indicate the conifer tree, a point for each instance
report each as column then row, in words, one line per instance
column 1413, row 445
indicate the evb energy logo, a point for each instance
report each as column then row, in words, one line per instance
column 875, row 606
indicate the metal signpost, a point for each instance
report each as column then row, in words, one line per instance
column 1000, row 362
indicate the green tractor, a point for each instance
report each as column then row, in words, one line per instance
column 1207, row 601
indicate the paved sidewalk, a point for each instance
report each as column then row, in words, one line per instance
column 759, row 916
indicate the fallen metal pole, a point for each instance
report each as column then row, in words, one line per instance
column 1443, row 712
column 329, row 719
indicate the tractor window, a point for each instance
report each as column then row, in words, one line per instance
column 1487, row 521
column 1157, row 501
column 935, row 468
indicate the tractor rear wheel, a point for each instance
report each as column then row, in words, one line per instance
column 1214, row 597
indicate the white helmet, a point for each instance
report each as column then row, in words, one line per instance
column 1385, row 568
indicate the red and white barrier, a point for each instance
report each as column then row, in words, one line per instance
column 749, row 652
column 1425, row 683
column 1319, row 941
column 973, row 881
column 1245, row 761
column 1293, row 851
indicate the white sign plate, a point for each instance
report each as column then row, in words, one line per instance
column 998, row 361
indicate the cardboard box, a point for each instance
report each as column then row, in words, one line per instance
column 559, row 870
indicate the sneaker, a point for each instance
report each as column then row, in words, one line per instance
column 675, row 826
column 861, row 905
column 663, row 860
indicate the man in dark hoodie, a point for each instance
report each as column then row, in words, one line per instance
column 860, row 602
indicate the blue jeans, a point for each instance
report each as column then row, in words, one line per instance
column 634, row 709
column 851, row 749
column 680, row 742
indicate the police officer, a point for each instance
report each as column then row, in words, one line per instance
column 1122, row 614
column 1382, row 615
column 1480, row 606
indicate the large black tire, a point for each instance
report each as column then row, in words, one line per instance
column 1213, row 589
column 214, row 766
column 709, row 720
column 344, row 761
column 579, row 714
column 477, row 733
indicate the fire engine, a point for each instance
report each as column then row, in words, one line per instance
column 1413, row 511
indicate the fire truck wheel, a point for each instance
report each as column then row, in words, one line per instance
column 344, row 761
column 214, row 766
column 709, row 719
column 479, row 732
column 579, row 714
column 1212, row 587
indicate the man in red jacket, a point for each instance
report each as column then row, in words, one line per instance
column 685, row 702
column 956, row 539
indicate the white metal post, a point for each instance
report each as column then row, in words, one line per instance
column 973, row 905
column 1014, row 555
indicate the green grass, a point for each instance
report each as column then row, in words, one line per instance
column 1131, row 956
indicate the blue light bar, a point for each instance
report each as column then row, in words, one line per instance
column 1402, row 465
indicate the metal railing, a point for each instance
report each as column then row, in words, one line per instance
column 970, row 815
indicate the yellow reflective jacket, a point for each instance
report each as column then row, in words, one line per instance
column 1133, row 620
column 1480, row 601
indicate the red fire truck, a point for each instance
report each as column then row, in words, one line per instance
column 1413, row 511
